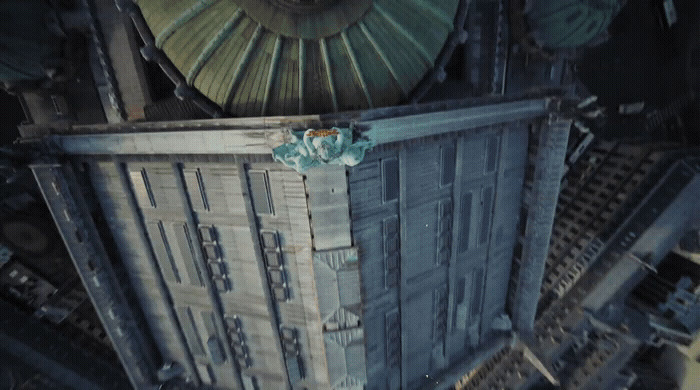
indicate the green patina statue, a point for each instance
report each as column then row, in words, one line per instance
column 313, row 148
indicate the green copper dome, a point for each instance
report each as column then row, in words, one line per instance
column 27, row 46
column 283, row 57
column 558, row 24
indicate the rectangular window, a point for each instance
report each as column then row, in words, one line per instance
column 491, row 153
column 142, row 188
column 206, row 232
column 522, row 222
column 447, row 165
column 211, row 251
column 269, row 240
column 477, row 288
column 390, row 179
column 188, row 255
column 217, row 269
column 390, row 230
column 276, row 277
column 393, row 339
column 459, row 293
column 459, row 319
column 260, row 192
column 273, row 259
column 250, row 382
column 205, row 373
column 518, row 250
column 465, row 220
column 292, row 353
column 190, row 328
column 222, row 283
column 280, row 293
column 439, row 314
column 195, row 186
column 485, row 214
column 444, row 238
column 163, row 251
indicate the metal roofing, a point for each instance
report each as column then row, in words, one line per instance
column 287, row 57
column 569, row 23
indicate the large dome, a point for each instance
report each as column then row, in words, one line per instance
column 284, row 57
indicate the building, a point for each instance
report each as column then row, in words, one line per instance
column 611, row 294
column 250, row 275
column 386, row 247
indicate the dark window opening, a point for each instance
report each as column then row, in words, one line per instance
column 390, row 179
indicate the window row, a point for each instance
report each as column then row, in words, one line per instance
column 276, row 272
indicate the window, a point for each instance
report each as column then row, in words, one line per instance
column 439, row 314
column 195, row 186
column 206, row 232
column 459, row 319
column 280, row 293
column 234, row 326
column 211, row 250
column 163, row 251
column 465, row 220
column 216, row 350
column 191, row 333
column 142, row 188
column 292, row 353
column 222, row 283
column 390, row 179
column 491, row 153
column 184, row 239
column 250, row 382
column 477, row 288
column 522, row 223
column 276, row 277
column 260, row 192
column 269, row 240
column 217, row 269
column 390, row 231
column 487, row 195
column 273, row 259
column 393, row 339
column 444, row 238
column 205, row 373
column 447, row 164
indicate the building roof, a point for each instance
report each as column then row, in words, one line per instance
column 558, row 24
column 286, row 57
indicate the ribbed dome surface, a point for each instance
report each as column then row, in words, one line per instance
column 558, row 24
column 285, row 57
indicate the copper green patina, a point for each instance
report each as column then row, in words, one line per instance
column 284, row 57
column 559, row 24
column 27, row 46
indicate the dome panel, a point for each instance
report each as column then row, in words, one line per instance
column 317, row 92
column 399, row 53
column 162, row 13
column 186, row 44
column 419, row 25
column 348, row 90
column 375, row 73
column 247, row 56
column 222, row 64
column 285, row 96
column 246, row 97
